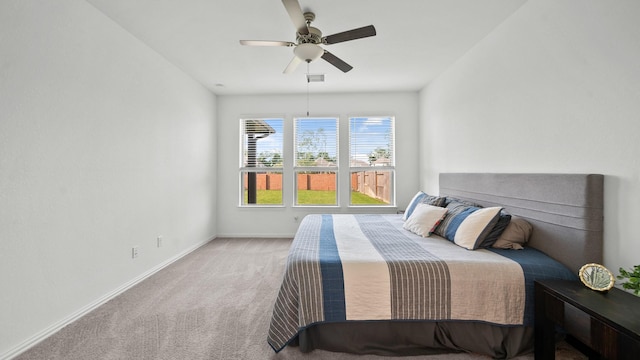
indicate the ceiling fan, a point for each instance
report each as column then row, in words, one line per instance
column 308, row 39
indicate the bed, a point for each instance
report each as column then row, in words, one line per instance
column 381, row 289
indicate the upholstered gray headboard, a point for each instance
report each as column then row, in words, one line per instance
column 566, row 210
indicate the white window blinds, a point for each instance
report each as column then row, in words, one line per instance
column 371, row 141
column 316, row 142
column 261, row 161
column 262, row 142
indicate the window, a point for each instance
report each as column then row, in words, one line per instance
column 310, row 169
column 371, row 161
column 316, row 161
column 261, row 161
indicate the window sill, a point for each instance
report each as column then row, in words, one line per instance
column 261, row 206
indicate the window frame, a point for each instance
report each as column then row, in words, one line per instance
column 247, row 169
column 341, row 168
column 390, row 168
column 298, row 169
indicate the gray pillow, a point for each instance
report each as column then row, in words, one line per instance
column 515, row 235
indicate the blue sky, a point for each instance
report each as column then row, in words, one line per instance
column 273, row 142
column 368, row 133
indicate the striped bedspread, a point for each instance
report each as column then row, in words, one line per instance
column 366, row 267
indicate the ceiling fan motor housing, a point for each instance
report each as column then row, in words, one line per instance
column 308, row 49
column 313, row 37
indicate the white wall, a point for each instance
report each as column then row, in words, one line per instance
column 103, row 146
column 279, row 222
column 555, row 88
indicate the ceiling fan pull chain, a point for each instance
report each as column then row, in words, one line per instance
column 308, row 81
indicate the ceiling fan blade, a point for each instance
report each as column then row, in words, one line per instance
column 266, row 43
column 295, row 13
column 358, row 33
column 336, row 61
column 292, row 65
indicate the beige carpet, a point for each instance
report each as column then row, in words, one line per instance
column 214, row 303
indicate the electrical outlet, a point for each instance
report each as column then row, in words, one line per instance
column 295, row 219
column 134, row 252
column 159, row 241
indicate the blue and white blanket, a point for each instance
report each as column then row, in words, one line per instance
column 367, row 267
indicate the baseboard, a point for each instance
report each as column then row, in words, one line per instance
column 37, row 338
column 258, row 236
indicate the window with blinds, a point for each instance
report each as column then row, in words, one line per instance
column 316, row 161
column 372, row 161
column 261, row 161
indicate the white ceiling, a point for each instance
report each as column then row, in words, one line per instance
column 416, row 40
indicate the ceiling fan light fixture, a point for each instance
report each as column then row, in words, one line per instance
column 308, row 52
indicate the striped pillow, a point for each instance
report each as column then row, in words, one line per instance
column 448, row 224
column 467, row 225
column 501, row 224
column 424, row 198
column 475, row 227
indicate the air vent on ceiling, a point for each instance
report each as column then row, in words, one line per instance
column 315, row 77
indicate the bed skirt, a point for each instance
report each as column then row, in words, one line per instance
column 407, row 338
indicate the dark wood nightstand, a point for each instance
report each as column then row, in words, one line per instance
column 611, row 326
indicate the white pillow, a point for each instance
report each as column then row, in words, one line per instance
column 475, row 227
column 424, row 219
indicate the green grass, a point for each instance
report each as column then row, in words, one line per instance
column 313, row 197
column 358, row 198
column 316, row 197
column 267, row 197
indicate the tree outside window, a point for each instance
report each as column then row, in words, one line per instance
column 316, row 166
